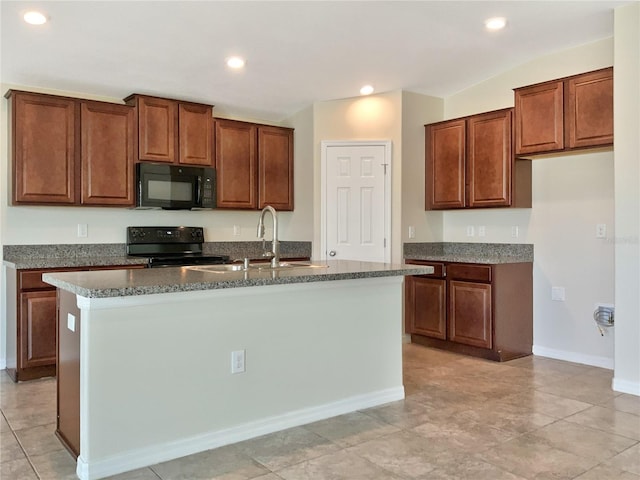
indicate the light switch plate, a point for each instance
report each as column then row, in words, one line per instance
column 557, row 294
column 71, row 322
column 83, row 230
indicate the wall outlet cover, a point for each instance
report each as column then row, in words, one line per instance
column 557, row 294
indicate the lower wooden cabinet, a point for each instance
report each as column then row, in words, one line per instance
column 31, row 322
column 480, row 310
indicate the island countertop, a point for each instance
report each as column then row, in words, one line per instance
column 120, row 283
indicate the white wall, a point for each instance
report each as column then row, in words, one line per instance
column 375, row 117
column 417, row 110
column 627, row 197
column 571, row 194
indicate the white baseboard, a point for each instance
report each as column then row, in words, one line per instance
column 594, row 361
column 168, row 451
column 3, row 364
column 625, row 386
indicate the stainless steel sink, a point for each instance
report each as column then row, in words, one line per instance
column 265, row 267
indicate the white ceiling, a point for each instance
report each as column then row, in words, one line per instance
column 297, row 52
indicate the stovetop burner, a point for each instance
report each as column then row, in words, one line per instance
column 170, row 246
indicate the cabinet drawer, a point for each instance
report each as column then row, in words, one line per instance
column 476, row 273
column 438, row 268
column 33, row 280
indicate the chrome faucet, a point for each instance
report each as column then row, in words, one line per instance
column 275, row 244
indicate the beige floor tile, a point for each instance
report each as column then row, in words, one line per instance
column 39, row 440
column 140, row 474
column 27, row 394
column 471, row 469
column 58, row 465
column 543, row 364
column 546, row 403
column 462, row 434
column 624, row 403
column 226, row 463
column 10, row 449
column 583, row 441
column 288, row 447
column 508, row 418
column 608, row 420
column 590, row 389
column 407, row 413
column 405, row 454
column 268, row 476
column 629, row 460
column 4, row 426
column 20, row 417
column 336, row 466
column 605, row 472
column 17, row 470
column 532, row 458
column 351, row 429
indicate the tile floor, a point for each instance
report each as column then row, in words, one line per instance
column 463, row 418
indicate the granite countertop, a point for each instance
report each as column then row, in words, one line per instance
column 484, row 253
column 118, row 283
column 23, row 257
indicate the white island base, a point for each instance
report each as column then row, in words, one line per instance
column 155, row 379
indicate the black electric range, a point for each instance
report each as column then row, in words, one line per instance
column 170, row 246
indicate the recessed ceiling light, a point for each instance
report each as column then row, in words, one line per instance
column 366, row 90
column 235, row 62
column 495, row 23
column 35, row 18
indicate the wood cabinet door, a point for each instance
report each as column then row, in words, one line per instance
column 445, row 146
column 590, row 109
column 470, row 313
column 157, row 124
column 194, row 133
column 429, row 307
column 107, row 146
column 539, row 117
column 236, row 164
column 37, row 328
column 275, row 167
column 44, row 137
column 489, row 159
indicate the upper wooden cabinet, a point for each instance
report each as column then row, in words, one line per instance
column 254, row 165
column 44, row 143
column 173, row 131
column 107, row 140
column 275, row 167
column 67, row 151
column 565, row 114
column 469, row 163
column 445, row 151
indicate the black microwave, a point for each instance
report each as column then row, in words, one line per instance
column 174, row 187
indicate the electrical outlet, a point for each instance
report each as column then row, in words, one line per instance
column 481, row 231
column 470, row 231
column 83, row 230
column 601, row 230
column 412, row 231
column 515, row 231
column 238, row 361
column 557, row 294
column 236, row 230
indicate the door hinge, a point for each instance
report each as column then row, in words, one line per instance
column 384, row 243
column 384, row 165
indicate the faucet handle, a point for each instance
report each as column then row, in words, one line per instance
column 268, row 254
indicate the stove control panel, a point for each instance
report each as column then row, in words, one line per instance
column 138, row 235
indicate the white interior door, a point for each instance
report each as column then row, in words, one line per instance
column 356, row 200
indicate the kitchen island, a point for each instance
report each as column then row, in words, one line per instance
column 145, row 356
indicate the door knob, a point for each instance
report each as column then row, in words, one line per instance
column 332, row 253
